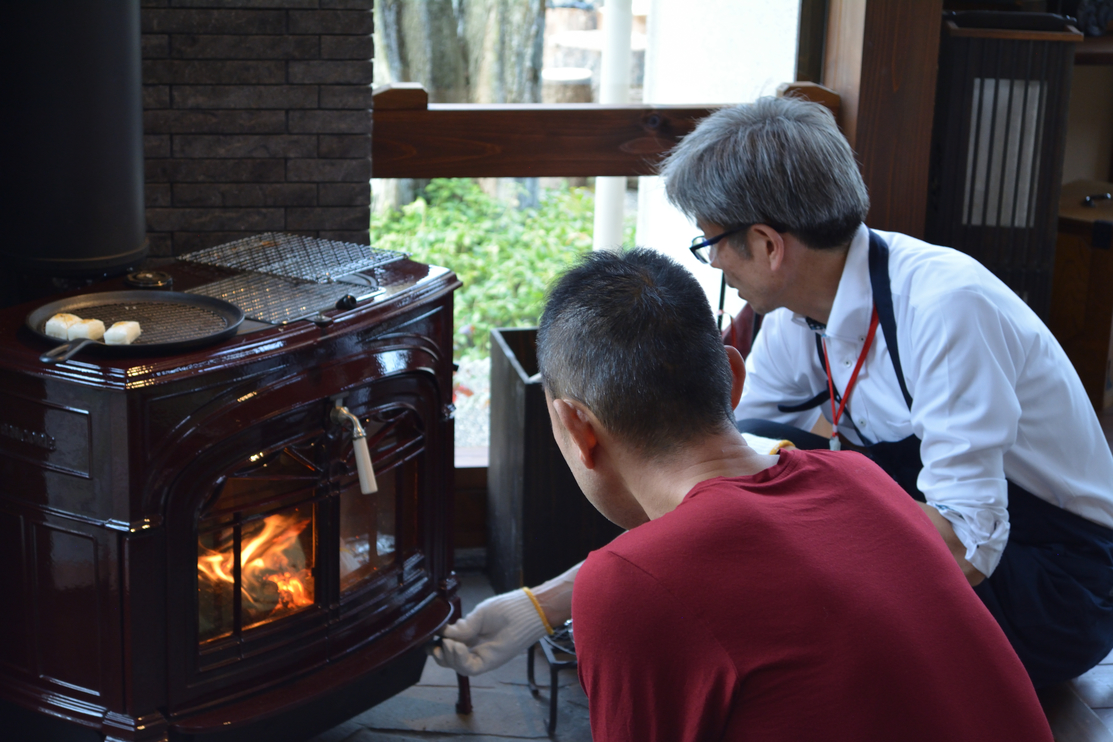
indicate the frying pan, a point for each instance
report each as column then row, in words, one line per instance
column 169, row 321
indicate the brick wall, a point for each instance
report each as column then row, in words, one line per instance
column 256, row 118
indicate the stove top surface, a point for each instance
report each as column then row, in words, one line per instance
column 319, row 311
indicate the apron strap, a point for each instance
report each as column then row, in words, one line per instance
column 811, row 404
column 883, row 301
column 823, row 396
column 818, row 399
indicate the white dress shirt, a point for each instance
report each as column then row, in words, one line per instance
column 994, row 395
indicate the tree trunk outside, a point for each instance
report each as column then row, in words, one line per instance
column 421, row 42
column 461, row 51
column 504, row 39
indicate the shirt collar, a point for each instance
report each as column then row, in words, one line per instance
column 853, row 305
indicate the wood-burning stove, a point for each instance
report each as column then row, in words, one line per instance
column 187, row 551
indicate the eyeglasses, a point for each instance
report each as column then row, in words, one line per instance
column 701, row 247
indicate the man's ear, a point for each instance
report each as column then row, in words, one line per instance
column 737, row 372
column 767, row 244
column 578, row 421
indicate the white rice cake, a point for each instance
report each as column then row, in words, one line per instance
column 86, row 328
column 122, row 333
column 58, row 325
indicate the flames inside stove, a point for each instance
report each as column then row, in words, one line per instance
column 264, row 534
column 274, row 566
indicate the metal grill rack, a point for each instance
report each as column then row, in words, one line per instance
column 291, row 256
column 277, row 300
column 286, row 277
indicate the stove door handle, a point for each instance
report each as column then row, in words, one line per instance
column 364, row 468
column 367, row 484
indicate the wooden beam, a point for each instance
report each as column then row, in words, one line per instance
column 481, row 141
column 407, row 96
column 813, row 92
column 842, row 59
column 881, row 56
column 1095, row 50
column 1073, row 34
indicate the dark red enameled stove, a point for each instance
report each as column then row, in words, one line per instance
column 187, row 551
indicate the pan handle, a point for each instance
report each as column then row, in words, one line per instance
column 65, row 351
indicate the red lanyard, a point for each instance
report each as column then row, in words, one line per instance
column 835, row 415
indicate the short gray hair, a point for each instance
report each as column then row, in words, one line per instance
column 776, row 161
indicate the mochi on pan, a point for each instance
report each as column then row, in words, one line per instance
column 122, row 333
column 58, row 325
column 86, row 328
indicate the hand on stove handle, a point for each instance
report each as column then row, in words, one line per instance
column 499, row 629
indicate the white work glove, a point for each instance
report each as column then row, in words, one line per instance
column 765, row 445
column 499, row 629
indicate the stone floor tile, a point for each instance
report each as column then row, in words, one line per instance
column 513, row 672
column 435, row 675
column 509, row 712
column 345, row 732
column 368, row 735
column 1070, row 719
column 503, row 708
column 1096, row 687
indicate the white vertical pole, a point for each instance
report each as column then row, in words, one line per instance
column 614, row 88
column 761, row 37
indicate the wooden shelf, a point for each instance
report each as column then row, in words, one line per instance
column 1095, row 50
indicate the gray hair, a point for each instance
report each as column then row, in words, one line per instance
column 776, row 161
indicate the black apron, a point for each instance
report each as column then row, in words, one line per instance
column 1052, row 592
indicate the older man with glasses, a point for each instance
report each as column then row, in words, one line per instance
column 963, row 396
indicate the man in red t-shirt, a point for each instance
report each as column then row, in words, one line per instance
column 791, row 597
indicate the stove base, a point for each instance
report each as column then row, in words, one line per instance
column 303, row 722
column 19, row 723
column 298, row 724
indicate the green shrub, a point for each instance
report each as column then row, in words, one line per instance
column 505, row 256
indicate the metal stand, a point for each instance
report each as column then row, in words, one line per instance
column 560, row 653
column 463, row 698
column 463, row 685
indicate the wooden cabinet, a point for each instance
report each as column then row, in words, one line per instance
column 1082, row 292
column 539, row 521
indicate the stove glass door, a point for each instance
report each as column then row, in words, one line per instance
column 257, row 544
column 369, row 537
